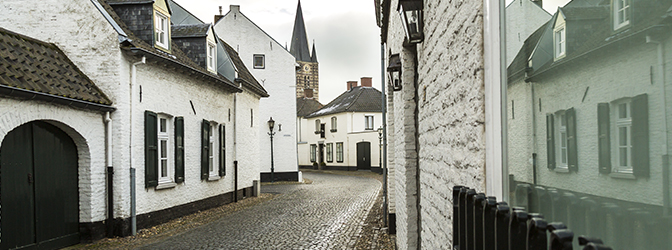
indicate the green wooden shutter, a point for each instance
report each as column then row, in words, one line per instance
column 151, row 150
column 603, row 140
column 550, row 142
column 572, row 153
column 222, row 150
column 179, row 149
column 640, row 135
column 205, row 150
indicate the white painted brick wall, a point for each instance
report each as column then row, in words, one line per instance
column 247, row 148
column 609, row 76
column 278, row 78
column 451, row 120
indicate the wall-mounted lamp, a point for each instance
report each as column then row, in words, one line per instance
column 411, row 17
column 394, row 72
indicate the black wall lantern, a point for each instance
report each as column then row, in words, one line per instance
column 411, row 18
column 394, row 72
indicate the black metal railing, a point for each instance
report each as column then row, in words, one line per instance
column 482, row 223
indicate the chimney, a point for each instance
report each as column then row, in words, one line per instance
column 352, row 84
column 217, row 17
column 308, row 93
column 366, row 82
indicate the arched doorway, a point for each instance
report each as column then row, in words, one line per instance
column 364, row 155
column 39, row 196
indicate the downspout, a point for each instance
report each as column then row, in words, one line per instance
column 235, row 142
column 110, row 176
column 665, row 156
column 383, row 164
column 134, row 228
column 534, row 136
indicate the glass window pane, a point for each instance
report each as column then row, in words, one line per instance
column 163, row 125
column 623, row 136
column 164, row 148
column 164, row 168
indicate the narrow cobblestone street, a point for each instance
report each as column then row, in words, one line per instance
column 327, row 214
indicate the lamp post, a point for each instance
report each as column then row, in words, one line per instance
column 380, row 158
column 271, row 124
column 380, row 146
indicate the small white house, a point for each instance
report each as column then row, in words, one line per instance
column 272, row 65
column 343, row 134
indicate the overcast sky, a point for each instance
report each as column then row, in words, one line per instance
column 346, row 36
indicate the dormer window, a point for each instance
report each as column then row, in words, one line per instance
column 211, row 56
column 161, row 29
column 621, row 13
column 560, row 42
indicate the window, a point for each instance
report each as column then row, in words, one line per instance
column 317, row 126
column 623, row 124
column 259, row 61
column 161, row 28
column 313, row 152
column 213, row 151
column 330, row 150
column 368, row 122
column 164, row 150
column 211, row 56
column 339, row 152
column 560, row 43
column 562, row 155
column 333, row 124
column 621, row 13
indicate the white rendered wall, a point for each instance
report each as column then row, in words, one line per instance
column 278, row 78
column 247, row 142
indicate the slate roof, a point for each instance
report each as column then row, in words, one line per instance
column 313, row 58
column 113, row 2
column 243, row 72
column 31, row 67
column 646, row 18
column 189, row 30
column 176, row 59
column 357, row 99
column 305, row 106
column 299, row 46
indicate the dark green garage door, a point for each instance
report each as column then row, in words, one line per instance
column 39, row 202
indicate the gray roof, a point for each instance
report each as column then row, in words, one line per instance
column 313, row 58
column 305, row 106
column 181, row 15
column 357, row 99
column 189, row 30
column 299, row 47
column 36, row 69
column 117, row 2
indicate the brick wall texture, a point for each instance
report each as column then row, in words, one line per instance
column 442, row 143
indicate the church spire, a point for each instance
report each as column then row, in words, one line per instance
column 313, row 57
column 299, row 47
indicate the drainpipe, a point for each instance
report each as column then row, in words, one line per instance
column 235, row 142
column 384, row 161
column 130, row 143
column 110, row 175
column 665, row 156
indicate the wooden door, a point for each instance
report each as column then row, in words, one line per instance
column 39, row 200
column 364, row 155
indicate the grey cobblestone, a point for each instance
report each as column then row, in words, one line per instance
column 327, row 214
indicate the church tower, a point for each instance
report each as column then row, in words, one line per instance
column 307, row 74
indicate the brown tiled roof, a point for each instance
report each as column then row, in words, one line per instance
column 189, row 30
column 30, row 65
column 176, row 57
column 305, row 106
column 243, row 72
column 357, row 99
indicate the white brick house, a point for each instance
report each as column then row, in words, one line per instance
column 344, row 133
column 271, row 64
column 174, row 122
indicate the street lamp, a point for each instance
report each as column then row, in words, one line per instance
column 271, row 124
column 394, row 72
column 380, row 147
column 411, row 17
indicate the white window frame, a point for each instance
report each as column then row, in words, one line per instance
column 161, row 28
column 368, row 122
column 318, row 127
column 621, row 9
column 212, row 56
column 561, row 160
column 213, row 165
column 166, row 135
column 560, row 41
column 263, row 61
column 622, row 145
column 313, row 153
column 334, row 124
column 330, row 151
column 339, row 152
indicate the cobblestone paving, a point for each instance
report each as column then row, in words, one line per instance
column 327, row 214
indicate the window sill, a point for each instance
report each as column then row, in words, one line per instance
column 214, row 178
column 339, row 161
column 333, row 130
column 627, row 176
column 563, row 170
column 165, row 185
